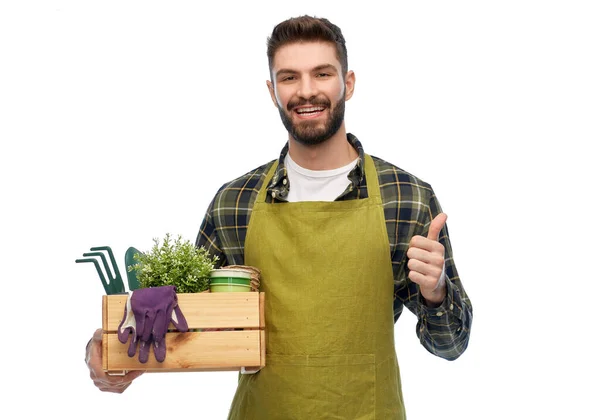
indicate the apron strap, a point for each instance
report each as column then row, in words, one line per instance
column 262, row 193
column 372, row 179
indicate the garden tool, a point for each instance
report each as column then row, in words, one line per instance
column 132, row 279
column 114, row 285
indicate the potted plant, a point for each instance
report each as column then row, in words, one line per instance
column 174, row 262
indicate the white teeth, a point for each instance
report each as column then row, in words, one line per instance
column 311, row 109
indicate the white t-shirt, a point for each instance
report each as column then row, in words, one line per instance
column 309, row 185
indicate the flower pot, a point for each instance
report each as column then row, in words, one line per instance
column 230, row 280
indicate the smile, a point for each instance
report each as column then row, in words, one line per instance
column 309, row 112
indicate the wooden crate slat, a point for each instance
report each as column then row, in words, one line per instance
column 201, row 310
column 214, row 350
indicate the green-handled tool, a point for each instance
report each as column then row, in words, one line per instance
column 132, row 279
column 114, row 284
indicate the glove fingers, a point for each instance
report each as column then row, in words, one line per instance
column 159, row 329
column 160, row 350
column 141, row 323
column 144, row 351
column 153, row 310
column 127, row 325
column 123, row 334
column 146, row 331
column 179, row 320
column 132, row 346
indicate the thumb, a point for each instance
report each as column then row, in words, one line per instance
column 436, row 226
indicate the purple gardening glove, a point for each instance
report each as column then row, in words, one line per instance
column 147, row 316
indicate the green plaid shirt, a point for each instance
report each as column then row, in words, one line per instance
column 409, row 205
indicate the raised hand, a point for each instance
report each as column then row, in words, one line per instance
column 426, row 262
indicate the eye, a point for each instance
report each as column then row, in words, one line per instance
column 287, row 78
column 321, row 75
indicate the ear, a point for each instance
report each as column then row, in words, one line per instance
column 350, row 81
column 272, row 93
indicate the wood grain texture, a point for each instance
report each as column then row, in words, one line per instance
column 213, row 350
column 195, row 350
column 201, row 310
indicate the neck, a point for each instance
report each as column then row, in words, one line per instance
column 333, row 153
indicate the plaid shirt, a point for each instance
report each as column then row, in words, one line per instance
column 409, row 205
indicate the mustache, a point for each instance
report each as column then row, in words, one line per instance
column 312, row 102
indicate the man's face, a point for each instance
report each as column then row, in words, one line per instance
column 309, row 90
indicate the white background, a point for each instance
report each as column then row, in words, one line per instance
column 120, row 119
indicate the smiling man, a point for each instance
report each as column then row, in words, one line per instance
column 344, row 241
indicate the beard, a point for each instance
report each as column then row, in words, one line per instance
column 310, row 133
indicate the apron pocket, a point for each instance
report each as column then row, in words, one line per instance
column 321, row 386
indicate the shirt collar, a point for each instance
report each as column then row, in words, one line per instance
column 279, row 186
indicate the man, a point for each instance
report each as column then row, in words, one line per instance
column 343, row 240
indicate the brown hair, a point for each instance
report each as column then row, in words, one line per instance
column 307, row 28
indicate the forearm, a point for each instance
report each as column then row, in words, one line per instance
column 444, row 329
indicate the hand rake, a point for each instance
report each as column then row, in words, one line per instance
column 114, row 284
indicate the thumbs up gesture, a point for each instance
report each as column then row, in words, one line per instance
column 426, row 262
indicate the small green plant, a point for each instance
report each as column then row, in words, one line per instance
column 174, row 263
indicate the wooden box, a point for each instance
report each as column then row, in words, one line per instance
column 195, row 350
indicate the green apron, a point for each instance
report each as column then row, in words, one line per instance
column 328, row 283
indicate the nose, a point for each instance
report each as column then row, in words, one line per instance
column 307, row 88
